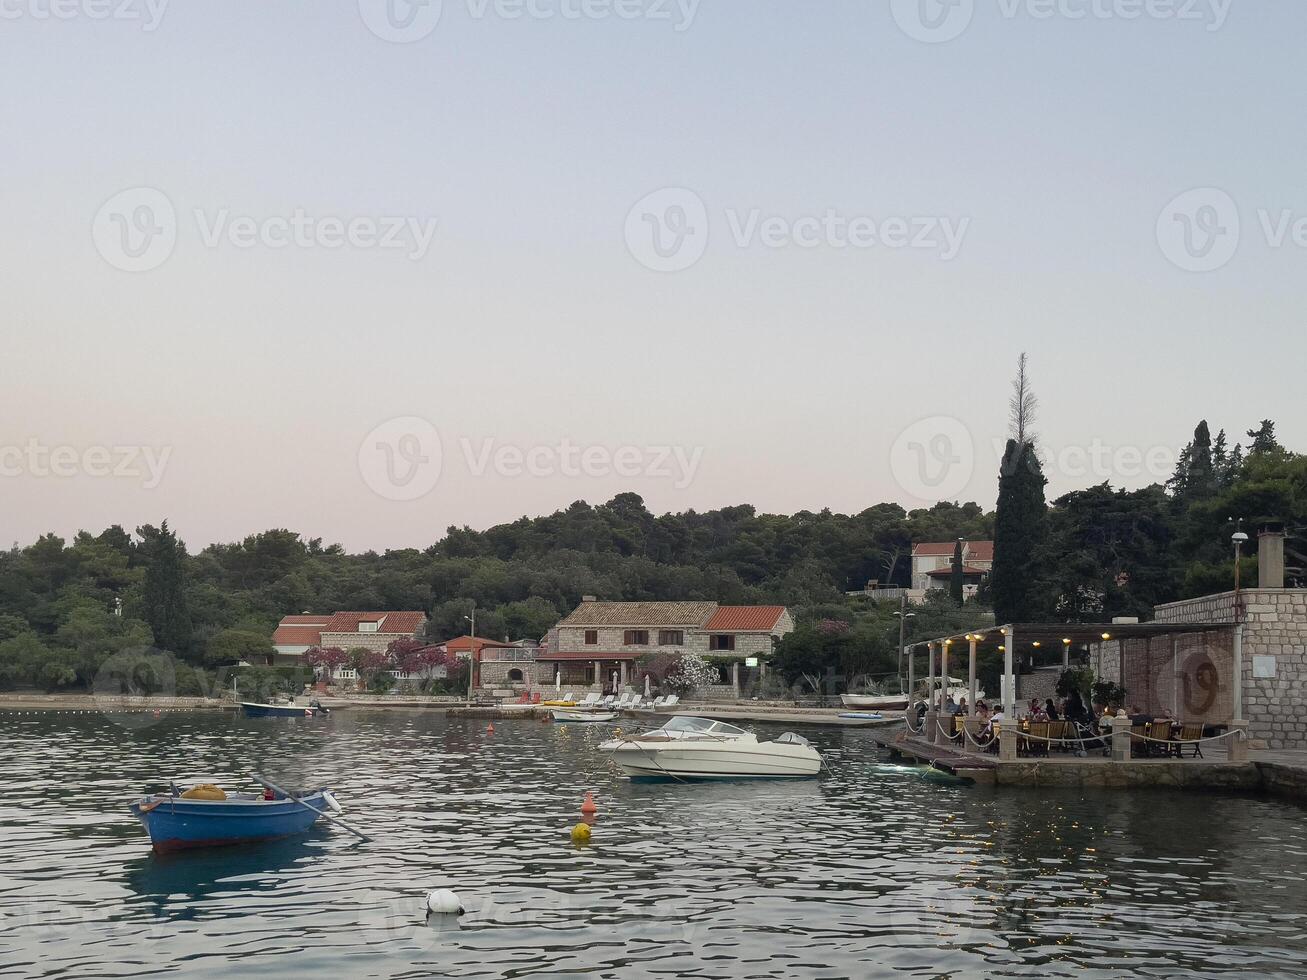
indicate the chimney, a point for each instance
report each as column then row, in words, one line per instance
column 590, row 598
column 1270, row 556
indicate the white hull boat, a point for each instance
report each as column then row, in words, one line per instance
column 702, row 748
column 582, row 715
column 875, row 702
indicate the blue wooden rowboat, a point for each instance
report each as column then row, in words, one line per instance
column 174, row 823
column 254, row 709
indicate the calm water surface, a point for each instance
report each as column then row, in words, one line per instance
column 868, row 871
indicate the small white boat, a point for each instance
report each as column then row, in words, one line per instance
column 582, row 714
column 704, row 748
column 875, row 702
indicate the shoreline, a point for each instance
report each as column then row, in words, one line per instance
column 34, row 700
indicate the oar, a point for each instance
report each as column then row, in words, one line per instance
column 291, row 796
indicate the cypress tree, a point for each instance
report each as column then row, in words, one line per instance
column 1018, row 583
column 164, row 591
column 955, row 579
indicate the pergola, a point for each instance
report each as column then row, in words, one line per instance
column 1023, row 637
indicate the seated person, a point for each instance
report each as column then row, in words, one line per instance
column 962, row 707
column 1051, row 712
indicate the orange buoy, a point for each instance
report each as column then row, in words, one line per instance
column 589, row 805
column 490, row 729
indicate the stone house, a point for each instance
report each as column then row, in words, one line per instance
column 371, row 630
column 932, row 564
column 597, row 645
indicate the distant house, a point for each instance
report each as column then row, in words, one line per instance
column 347, row 630
column 597, row 644
column 932, row 564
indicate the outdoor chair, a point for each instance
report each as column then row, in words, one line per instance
column 1037, row 743
column 672, row 701
column 1138, row 747
column 1161, row 732
column 591, row 699
column 1190, row 735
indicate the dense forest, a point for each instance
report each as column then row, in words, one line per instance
column 67, row 606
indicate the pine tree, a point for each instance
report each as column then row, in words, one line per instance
column 164, row 592
column 1263, row 439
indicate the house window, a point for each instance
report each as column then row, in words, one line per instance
column 591, row 638
column 671, row 638
column 368, row 627
column 721, row 641
column 635, row 638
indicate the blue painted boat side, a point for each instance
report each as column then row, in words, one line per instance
column 254, row 710
column 175, row 823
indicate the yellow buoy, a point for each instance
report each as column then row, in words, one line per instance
column 581, row 834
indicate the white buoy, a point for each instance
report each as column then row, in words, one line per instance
column 442, row 901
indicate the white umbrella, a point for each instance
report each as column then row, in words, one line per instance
column 558, row 681
column 646, row 687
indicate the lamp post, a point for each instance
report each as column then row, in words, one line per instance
column 471, row 653
column 903, row 616
column 1239, row 537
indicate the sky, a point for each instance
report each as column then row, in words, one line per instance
column 369, row 269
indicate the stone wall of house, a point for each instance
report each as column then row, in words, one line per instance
column 368, row 641
column 572, row 639
column 494, row 673
column 1040, row 684
column 1274, row 657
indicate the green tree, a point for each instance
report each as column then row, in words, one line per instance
column 956, row 581
column 164, row 593
column 1017, row 580
column 232, row 646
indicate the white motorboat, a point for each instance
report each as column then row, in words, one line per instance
column 582, row 714
column 704, row 748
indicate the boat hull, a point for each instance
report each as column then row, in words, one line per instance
column 723, row 760
column 175, row 824
column 253, row 710
column 577, row 715
column 875, row 702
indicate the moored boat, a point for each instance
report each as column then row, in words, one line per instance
column 176, row 823
column 256, row 709
column 579, row 714
column 704, row 748
column 875, row 702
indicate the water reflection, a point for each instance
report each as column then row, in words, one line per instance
column 867, row 870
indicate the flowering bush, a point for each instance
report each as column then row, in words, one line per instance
column 325, row 660
column 689, row 672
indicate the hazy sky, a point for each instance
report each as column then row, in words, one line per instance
column 783, row 253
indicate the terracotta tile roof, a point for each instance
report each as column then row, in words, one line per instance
column 947, row 570
column 744, row 619
column 392, row 622
column 640, row 614
column 974, row 550
column 551, row 657
column 305, row 619
column 297, row 636
column 461, row 644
